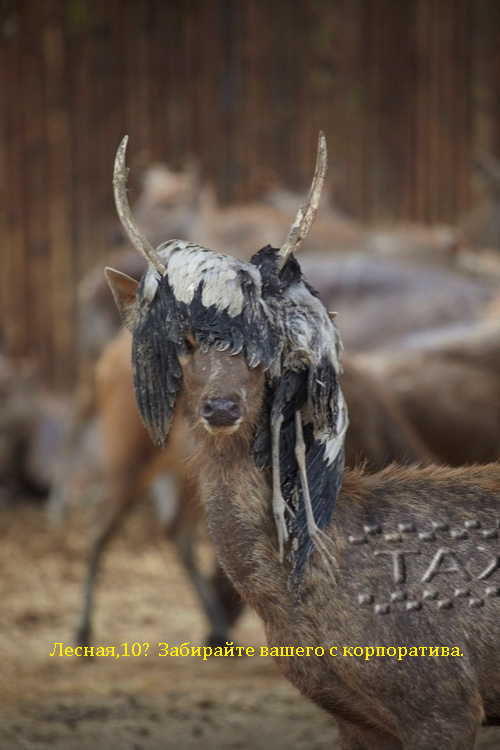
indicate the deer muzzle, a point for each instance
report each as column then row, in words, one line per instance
column 222, row 413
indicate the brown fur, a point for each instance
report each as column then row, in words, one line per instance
column 378, row 434
column 414, row 704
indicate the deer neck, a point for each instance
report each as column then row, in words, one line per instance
column 237, row 499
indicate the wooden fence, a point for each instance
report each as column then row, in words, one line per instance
column 407, row 92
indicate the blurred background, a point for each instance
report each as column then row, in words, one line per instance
column 222, row 101
column 407, row 94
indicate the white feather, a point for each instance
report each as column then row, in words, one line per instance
column 189, row 265
column 333, row 444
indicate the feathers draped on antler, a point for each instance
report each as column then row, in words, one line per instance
column 266, row 310
column 304, row 379
column 216, row 299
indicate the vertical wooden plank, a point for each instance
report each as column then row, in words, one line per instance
column 38, row 329
column 432, row 156
column 5, row 223
column 355, row 102
column 81, row 39
column 14, row 265
column 227, row 10
column 494, row 16
column 443, row 208
column 420, row 124
column 463, row 101
column 369, row 112
column 484, row 90
column 407, row 92
column 59, row 179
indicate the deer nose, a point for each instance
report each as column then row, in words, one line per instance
column 221, row 412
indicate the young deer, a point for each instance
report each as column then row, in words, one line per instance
column 131, row 463
column 408, row 559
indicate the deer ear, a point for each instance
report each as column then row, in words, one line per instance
column 124, row 290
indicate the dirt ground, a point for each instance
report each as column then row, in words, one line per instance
column 135, row 702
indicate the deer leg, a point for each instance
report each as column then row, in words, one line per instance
column 228, row 596
column 78, row 422
column 455, row 719
column 83, row 630
column 210, row 602
column 459, row 740
column 182, row 530
column 317, row 536
column 458, row 736
column 358, row 737
column 113, row 508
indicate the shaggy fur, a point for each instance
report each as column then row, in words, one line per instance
column 414, row 563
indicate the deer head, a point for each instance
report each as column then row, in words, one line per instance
column 193, row 302
column 245, row 340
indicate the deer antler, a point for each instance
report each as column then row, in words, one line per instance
column 141, row 244
column 306, row 213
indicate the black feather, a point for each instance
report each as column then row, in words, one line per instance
column 264, row 331
column 289, row 390
column 159, row 340
column 324, row 486
column 322, row 392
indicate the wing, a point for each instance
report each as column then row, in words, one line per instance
column 158, row 342
column 324, row 480
column 324, row 466
column 305, row 380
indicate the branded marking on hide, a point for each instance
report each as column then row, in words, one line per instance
column 426, row 536
column 406, row 528
column 430, row 595
column 458, row 562
column 366, row 599
column 459, row 534
column 475, row 601
column 440, row 526
column 398, row 596
column 489, row 534
column 372, row 529
column 357, row 539
column 492, row 591
column 445, row 603
column 393, row 538
column 472, row 524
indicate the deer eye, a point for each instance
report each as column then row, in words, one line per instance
column 189, row 342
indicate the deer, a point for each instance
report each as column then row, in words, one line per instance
column 366, row 289
column 447, row 383
column 480, row 228
column 329, row 558
column 21, row 417
column 379, row 433
column 132, row 462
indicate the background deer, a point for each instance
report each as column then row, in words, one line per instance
column 131, row 463
column 447, row 383
column 403, row 557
